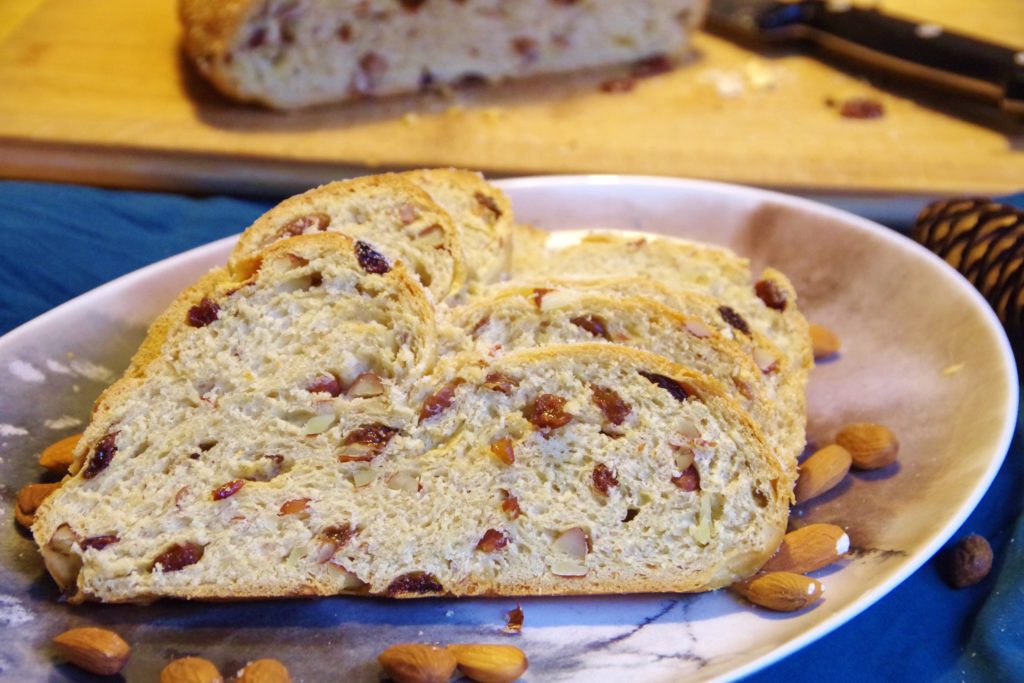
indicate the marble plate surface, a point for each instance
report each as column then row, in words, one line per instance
column 922, row 353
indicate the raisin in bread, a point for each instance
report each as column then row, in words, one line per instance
column 541, row 317
column 767, row 306
column 294, row 53
column 398, row 219
column 481, row 213
column 243, row 389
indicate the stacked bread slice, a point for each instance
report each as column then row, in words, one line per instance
column 365, row 400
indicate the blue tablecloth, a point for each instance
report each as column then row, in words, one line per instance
column 60, row 241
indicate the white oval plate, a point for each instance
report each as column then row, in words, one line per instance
column 922, row 352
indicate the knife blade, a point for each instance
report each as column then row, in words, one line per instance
column 919, row 50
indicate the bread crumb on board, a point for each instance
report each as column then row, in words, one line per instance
column 754, row 75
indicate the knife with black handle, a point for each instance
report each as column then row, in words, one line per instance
column 920, row 50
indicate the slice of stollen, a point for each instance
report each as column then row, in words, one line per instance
column 508, row 323
column 244, row 397
column 584, row 468
column 692, row 304
column 767, row 305
column 398, row 219
column 481, row 213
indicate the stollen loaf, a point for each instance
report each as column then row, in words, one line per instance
column 287, row 54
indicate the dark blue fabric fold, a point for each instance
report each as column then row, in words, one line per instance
column 59, row 241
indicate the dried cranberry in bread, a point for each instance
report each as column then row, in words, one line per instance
column 243, row 402
column 395, row 219
column 295, row 53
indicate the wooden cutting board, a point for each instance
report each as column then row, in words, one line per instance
column 96, row 91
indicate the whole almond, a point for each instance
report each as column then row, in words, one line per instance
column 809, row 548
column 57, row 457
column 95, row 650
column 264, row 671
column 417, row 663
column 871, row 445
column 824, row 342
column 29, row 499
column 822, row 472
column 490, row 663
column 780, row 591
column 191, row 670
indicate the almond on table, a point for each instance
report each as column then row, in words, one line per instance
column 29, row 498
column 264, row 671
column 417, row 663
column 190, row 670
column 490, row 663
column 824, row 342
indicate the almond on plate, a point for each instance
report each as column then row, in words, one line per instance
column 490, row 663
column 822, row 472
column 417, row 663
column 780, row 591
column 95, row 650
column 809, row 548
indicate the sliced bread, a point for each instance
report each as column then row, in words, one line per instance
column 243, row 387
column 767, row 305
column 589, row 468
column 399, row 220
column 536, row 498
column 540, row 317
